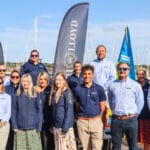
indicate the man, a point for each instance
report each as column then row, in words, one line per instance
column 73, row 81
column 104, row 70
column 90, row 104
column 3, row 75
column 33, row 66
column 104, row 74
column 126, row 101
column 76, row 78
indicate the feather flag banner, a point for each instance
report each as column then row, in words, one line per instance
column 126, row 53
column 71, row 39
column 1, row 55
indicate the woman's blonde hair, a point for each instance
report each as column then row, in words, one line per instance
column 3, row 87
column 45, row 75
column 31, row 92
column 54, row 88
column 141, row 69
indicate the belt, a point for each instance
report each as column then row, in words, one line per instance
column 124, row 117
column 89, row 118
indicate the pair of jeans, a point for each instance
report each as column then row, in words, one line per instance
column 129, row 127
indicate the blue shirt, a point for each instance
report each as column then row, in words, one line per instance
column 5, row 107
column 104, row 72
column 6, row 81
column 125, row 97
column 89, row 99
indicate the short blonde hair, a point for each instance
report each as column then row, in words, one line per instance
column 46, row 76
column 141, row 69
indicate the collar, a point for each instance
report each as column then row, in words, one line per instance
column 31, row 62
column 2, row 93
column 76, row 75
column 93, row 85
column 128, row 79
column 99, row 60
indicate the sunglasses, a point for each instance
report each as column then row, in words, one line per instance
column 15, row 77
column 34, row 56
column 2, row 70
column 1, row 83
column 123, row 69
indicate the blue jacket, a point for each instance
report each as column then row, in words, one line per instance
column 26, row 112
column 62, row 111
column 145, row 113
column 74, row 81
column 47, row 117
column 11, row 89
column 33, row 70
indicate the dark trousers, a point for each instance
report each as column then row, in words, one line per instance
column 47, row 137
column 129, row 127
column 78, row 142
column 10, row 141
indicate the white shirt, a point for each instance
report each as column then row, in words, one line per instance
column 5, row 107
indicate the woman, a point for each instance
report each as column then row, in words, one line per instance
column 14, row 82
column 62, row 114
column 5, row 113
column 11, row 90
column 27, row 116
column 33, row 66
column 43, row 87
column 144, row 117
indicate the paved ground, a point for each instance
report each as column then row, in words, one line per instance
column 124, row 143
column 125, row 146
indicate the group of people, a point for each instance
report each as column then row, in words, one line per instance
column 39, row 113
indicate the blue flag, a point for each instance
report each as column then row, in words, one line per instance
column 126, row 53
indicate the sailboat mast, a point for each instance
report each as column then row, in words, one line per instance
column 35, row 32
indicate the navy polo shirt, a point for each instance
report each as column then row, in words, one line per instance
column 89, row 99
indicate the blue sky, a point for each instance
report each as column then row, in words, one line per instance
column 106, row 23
